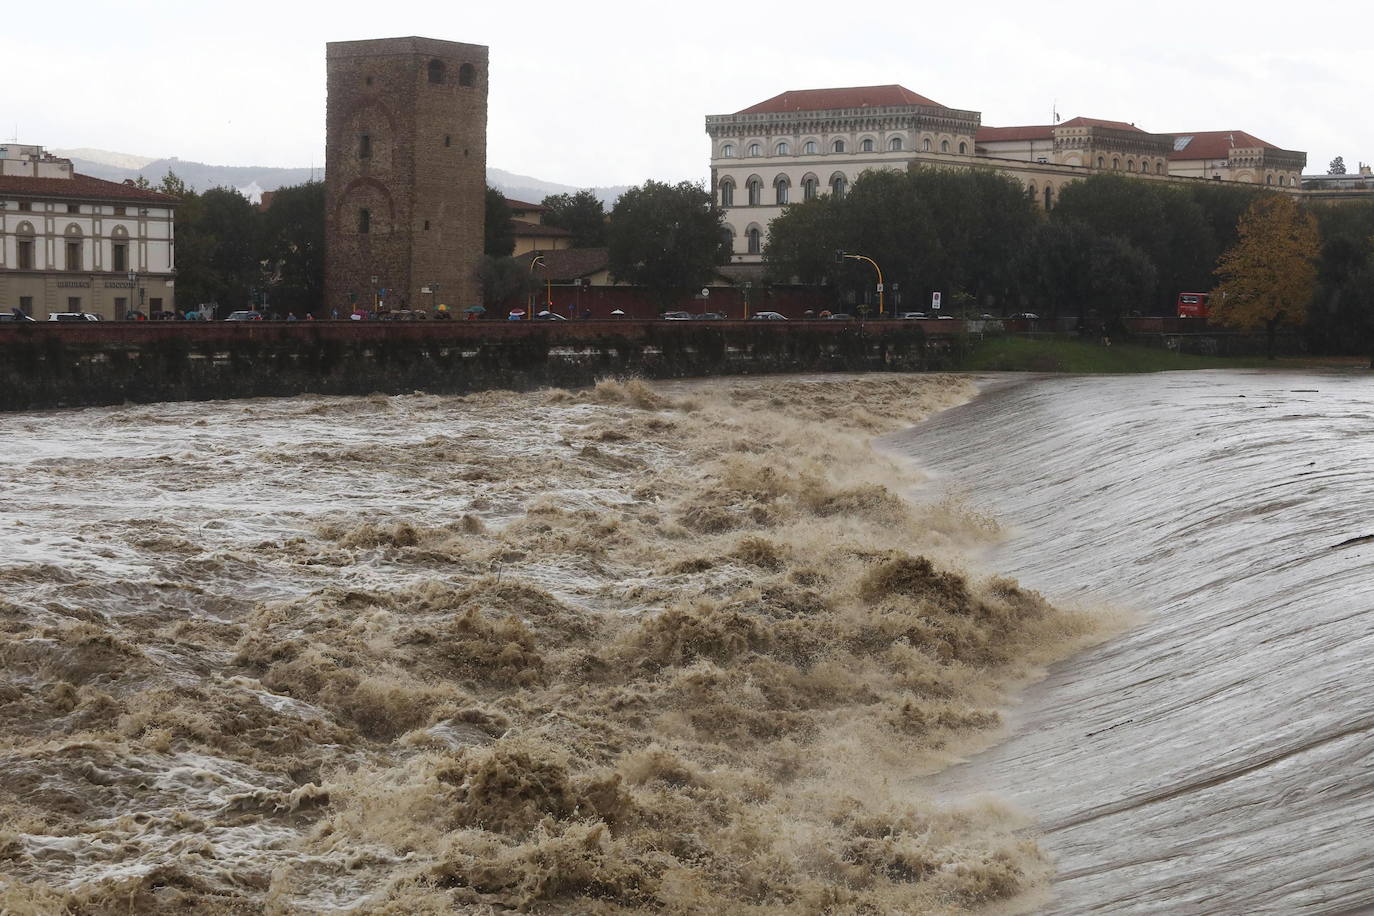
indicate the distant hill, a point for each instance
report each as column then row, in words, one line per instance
column 253, row 180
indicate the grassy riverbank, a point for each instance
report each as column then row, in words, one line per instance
column 1077, row 356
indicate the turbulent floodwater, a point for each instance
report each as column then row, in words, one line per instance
column 1217, row 757
column 671, row 649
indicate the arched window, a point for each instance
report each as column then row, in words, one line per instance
column 25, row 245
column 1268, row 179
column 755, row 149
column 809, row 147
column 727, row 192
column 1101, row 163
column 810, row 187
column 119, row 250
column 727, row 151
column 467, row 75
column 944, row 146
column 837, row 146
column 1030, row 192
column 837, row 186
column 1159, row 168
column 782, row 149
column 755, row 192
column 867, row 145
column 963, row 148
column 73, row 247
column 727, row 238
column 1116, row 164
column 755, row 237
column 1049, row 197
column 925, row 144
column 780, row 188
column 436, row 71
column 894, row 144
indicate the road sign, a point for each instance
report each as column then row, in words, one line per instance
column 935, row 302
column 880, row 287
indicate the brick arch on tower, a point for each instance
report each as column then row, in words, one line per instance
column 351, row 193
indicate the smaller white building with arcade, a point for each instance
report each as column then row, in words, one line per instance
column 73, row 243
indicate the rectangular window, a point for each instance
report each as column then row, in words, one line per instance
column 364, row 221
column 73, row 255
column 25, row 205
column 73, row 208
column 364, row 146
column 118, row 211
column 26, row 305
column 26, row 254
column 119, row 261
column 73, row 303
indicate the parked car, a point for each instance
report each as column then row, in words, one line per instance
column 676, row 316
column 767, row 316
column 912, row 315
column 73, row 316
column 1025, row 316
column 945, row 317
column 709, row 316
column 839, row 316
column 14, row 315
column 244, row 316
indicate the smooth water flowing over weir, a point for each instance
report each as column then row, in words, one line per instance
column 1218, row 756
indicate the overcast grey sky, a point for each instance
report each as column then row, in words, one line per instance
column 614, row 93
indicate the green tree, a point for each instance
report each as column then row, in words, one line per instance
column 291, row 240
column 1268, row 276
column 666, row 238
column 216, row 249
column 499, row 237
column 1070, row 268
column 1337, row 166
column 505, row 282
column 581, row 214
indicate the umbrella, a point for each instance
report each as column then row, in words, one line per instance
column 517, row 311
column 617, row 312
column 474, row 309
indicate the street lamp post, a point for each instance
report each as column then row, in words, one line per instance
column 133, row 284
column 842, row 255
column 548, row 285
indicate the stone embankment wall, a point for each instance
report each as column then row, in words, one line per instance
column 48, row 365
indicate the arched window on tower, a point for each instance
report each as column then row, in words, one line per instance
column 1049, row 197
column 867, row 145
column 894, row 144
column 809, row 148
column 782, row 149
column 810, row 187
column 755, row 192
column 467, row 75
column 944, row 146
column 727, row 192
column 837, row 186
column 837, row 146
column 755, row 239
column 925, row 145
column 436, row 71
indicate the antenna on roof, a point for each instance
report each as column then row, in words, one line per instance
column 15, row 138
column 1054, row 110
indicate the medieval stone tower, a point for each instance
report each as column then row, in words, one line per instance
column 405, row 172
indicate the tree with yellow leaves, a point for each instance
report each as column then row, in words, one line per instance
column 1268, row 277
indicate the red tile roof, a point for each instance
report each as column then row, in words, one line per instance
column 995, row 134
column 1214, row 144
column 570, row 263
column 525, row 205
column 83, row 187
column 1098, row 122
column 522, row 228
column 830, row 99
